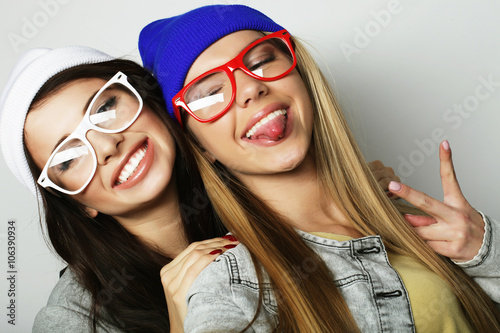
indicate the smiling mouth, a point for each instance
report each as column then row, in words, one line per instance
column 271, row 127
column 132, row 164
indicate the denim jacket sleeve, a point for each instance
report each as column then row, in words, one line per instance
column 484, row 268
column 211, row 305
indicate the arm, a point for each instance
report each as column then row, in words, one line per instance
column 213, row 313
column 67, row 310
column 60, row 319
column 455, row 229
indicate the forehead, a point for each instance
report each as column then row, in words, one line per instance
column 72, row 93
column 221, row 52
column 57, row 116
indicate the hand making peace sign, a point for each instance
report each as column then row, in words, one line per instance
column 454, row 228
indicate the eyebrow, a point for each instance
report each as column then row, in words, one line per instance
column 253, row 41
column 85, row 108
column 256, row 39
column 244, row 47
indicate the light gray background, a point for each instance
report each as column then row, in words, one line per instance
column 401, row 69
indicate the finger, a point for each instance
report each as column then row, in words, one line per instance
column 207, row 243
column 435, row 232
column 174, row 268
column 197, row 249
column 376, row 165
column 421, row 200
column 177, row 289
column 195, row 269
column 192, row 268
column 377, row 174
column 419, row 220
column 384, row 183
column 173, row 275
column 391, row 195
column 451, row 188
column 388, row 172
column 192, row 254
column 385, row 173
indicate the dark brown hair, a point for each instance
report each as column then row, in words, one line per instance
column 99, row 250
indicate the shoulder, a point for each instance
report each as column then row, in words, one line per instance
column 232, row 278
column 230, row 270
column 69, row 293
column 225, row 296
column 233, row 263
column 68, row 308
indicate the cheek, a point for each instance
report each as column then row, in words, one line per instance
column 146, row 118
column 150, row 123
column 306, row 108
column 91, row 196
column 206, row 141
column 211, row 137
column 309, row 116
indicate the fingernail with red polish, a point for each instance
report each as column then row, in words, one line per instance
column 446, row 145
column 230, row 246
column 218, row 251
column 395, row 186
column 389, row 194
column 230, row 238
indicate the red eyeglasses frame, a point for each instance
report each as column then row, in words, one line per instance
column 229, row 67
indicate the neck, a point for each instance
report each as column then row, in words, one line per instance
column 159, row 225
column 297, row 195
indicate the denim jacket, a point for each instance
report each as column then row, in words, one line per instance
column 224, row 296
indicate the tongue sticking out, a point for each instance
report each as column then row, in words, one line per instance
column 272, row 130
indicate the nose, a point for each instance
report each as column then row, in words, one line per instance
column 248, row 89
column 104, row 144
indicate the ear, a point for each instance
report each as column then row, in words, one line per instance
column 91, row 211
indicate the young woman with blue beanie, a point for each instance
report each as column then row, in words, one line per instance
column 322, row 248
column 121, row 196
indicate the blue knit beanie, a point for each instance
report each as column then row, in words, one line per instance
column 169, row 46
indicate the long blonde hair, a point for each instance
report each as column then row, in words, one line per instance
column 313, row 303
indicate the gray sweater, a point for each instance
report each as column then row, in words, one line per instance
column 67, row 310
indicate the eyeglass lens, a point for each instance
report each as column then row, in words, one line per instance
column 211, row 94
column 72, row 164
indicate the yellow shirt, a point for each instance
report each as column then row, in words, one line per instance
column 434, row 306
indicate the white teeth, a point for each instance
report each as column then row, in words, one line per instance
column 264, row 120
column 132, row 164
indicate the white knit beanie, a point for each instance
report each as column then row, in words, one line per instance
column 30, row 73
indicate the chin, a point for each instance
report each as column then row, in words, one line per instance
column 288, row 167
column 291, row 162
